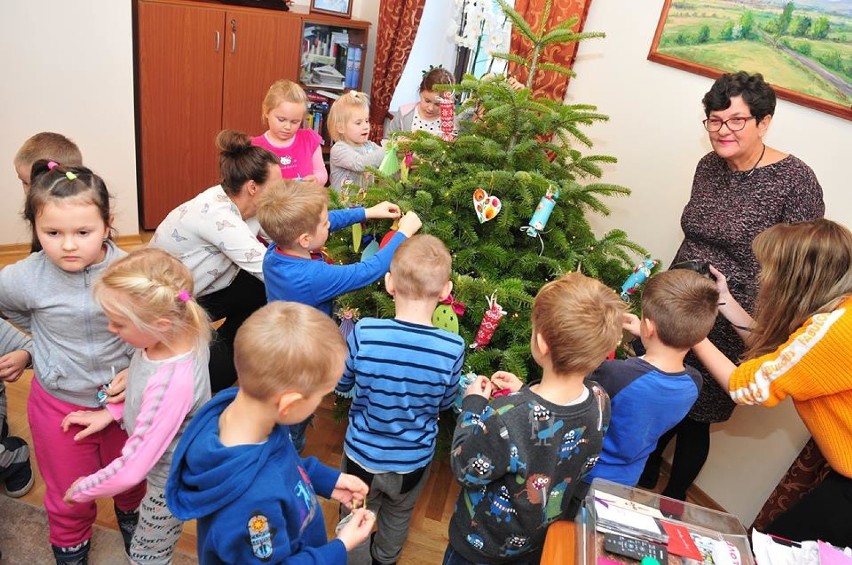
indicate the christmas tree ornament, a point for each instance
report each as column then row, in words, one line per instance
column 489, row 324
column 486, row 206
column 637, row 278
column 464, row 382
column 357, row 236
column 542, row 213
column 347, row 316
column 390, row 163
column 447, row 313
column 388, row 236
column 370, row 250
column 448, row 116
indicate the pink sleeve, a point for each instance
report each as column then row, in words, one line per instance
column 116, row 409
column 166, row 401
column 319, row 167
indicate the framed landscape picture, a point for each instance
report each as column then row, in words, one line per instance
column 334, row 7
column 803, row 48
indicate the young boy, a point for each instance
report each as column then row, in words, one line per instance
column 43, row 145
column 235, row 468
column 16, row 474
column 519, row 458
column 652, row 393
column 404, row 372
column 296, row 216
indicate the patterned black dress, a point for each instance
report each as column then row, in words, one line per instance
column 725, row 212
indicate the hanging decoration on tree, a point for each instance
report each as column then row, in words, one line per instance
column 486, row 206
column 489, row 323
column 448, row 116
column 357, row 236
column 390, row 163
column 389, row 236
column 464, row 382
column 370, row 250
column 542, row 212
column 447, row 313
column 348, row 316
column 638, row 277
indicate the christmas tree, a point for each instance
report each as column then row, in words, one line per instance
column 527, row 152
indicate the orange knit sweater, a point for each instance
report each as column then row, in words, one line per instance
column 814, row 367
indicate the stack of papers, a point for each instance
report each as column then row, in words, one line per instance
column 327, row 75
column 621, row 516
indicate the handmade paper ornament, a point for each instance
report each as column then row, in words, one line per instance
column 370, row 250
column 486, row 206
column 447, row 313
column 388, row 236
column 348, row 316
column 448, row 117
column 638, row 277
column 357, row 236
column 542, row 213
column 390, row 163
column 489, row 324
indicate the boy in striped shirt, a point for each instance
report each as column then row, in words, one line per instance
column 404, row 372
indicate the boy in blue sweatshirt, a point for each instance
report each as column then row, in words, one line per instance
column 404, row 372
column 295, row 215
column 652, row 393
column 235, row 468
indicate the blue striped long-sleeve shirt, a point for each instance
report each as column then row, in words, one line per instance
column 404, row 374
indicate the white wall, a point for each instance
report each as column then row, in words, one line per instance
column 656, row 134
column 68, row 67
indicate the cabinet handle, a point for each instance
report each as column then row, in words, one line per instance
column 217, row 41
column 233, row 36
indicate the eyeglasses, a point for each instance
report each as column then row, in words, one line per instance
column 734, row 124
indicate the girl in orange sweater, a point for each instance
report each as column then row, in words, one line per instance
column 799, row 345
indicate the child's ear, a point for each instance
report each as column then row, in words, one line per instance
column 445, row 292
column 163, row 325
column 389, row 284
column 542, row 346
column 647, row 328
column 286, row 401
column 304, row 240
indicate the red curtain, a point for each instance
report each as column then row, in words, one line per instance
column 398, row 22
column 548, row 84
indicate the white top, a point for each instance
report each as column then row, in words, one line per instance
column 210, row 237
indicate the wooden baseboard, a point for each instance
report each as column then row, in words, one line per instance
column 9, row 253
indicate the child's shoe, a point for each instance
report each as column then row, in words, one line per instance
column 127, row 525
column 75, row 555
column 18, row 475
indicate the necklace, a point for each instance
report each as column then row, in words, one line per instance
column 759, row 159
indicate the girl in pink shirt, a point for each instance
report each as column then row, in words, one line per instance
column 147, row 298
column 299, row 150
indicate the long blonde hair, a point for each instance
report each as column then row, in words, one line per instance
column 149, row 284
column 805, row 269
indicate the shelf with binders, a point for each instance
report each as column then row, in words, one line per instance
column 332, row 56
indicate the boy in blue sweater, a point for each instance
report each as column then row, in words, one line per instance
column 295, row 215
column 235, row 468
column 652, row 393
column 404, row 372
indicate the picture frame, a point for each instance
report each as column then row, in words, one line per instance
column 804, row 51
column 341, row 8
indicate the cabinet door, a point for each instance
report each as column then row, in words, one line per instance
column 180, row 70
column 260, row 49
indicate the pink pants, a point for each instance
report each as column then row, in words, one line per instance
column 61, row 461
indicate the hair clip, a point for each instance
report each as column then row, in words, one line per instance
column 52, row 165
column 184, row 296
column 430, row 69
column 70, row 176
column 354, row 94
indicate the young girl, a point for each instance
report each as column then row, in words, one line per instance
column 74, row 353
column 425, row 114
column 798, row 345
column 298, row 149
column 352, row 152
column 147, row 298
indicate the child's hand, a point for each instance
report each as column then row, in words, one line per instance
column 67, row 497
column 118, row 387
column 632, row 323
column 92, row 422
column 481, row 387
column 358, row 529
column 349, row 489
column 12, row 365
column 382, row 210
column 506, row 380
column 410, row 224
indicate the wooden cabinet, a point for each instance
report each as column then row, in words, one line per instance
column 202, row 67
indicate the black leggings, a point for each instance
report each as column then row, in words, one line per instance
column 235, row 303
column 691, row 450
column 825, row 513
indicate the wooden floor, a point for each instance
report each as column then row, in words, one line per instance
column 427, row 539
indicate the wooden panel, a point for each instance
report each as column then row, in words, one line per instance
column 260, row 48
column 180, row 75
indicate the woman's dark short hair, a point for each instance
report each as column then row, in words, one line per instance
column 756, row 93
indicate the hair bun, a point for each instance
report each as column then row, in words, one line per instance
column 233, row 143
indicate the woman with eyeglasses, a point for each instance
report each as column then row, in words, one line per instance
column 739, row 189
